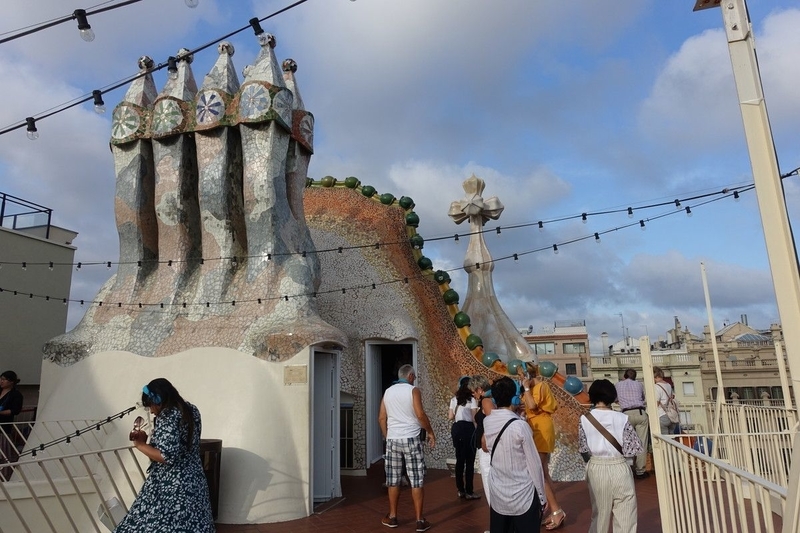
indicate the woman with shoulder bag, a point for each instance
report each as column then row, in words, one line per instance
column 462, row 412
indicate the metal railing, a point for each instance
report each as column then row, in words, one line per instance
column 698, row 493
column 18, row 213
column 87, row 491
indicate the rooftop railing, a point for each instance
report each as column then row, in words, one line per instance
column 17, row 213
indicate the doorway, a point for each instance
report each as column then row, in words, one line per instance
column 325, row 480
column 383, row 360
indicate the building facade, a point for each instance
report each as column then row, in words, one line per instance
column 37, row 263
column 566, row 345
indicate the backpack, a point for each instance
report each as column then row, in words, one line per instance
column 671, row 408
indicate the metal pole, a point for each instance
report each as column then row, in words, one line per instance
column 720, row 385
column 769, row 189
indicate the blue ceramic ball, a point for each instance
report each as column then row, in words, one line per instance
column 573, row 385
column 547, row 369
column 489, row 358
column 515, row 364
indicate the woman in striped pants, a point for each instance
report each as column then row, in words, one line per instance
column 608, row 473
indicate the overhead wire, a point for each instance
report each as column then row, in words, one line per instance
column 116, row 85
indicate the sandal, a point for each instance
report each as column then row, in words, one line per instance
column 556, row 520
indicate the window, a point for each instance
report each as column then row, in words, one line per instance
column 543, row 348
column 688, row 388
column 571, row 369
column 574, row 347
column 585, row 371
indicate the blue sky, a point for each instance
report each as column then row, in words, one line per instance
column 562, row 108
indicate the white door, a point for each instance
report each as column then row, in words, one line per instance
column 325, row 428
column 378, row 379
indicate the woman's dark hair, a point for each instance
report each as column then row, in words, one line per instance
column 657, row 372
column 162, row 393
column 11, row 376
column 602, row 391
column 463, row 394
column 630, row 374
column 503, row 391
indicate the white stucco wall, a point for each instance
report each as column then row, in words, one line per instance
column 264, row 422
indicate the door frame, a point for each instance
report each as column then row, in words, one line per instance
column 373, row 393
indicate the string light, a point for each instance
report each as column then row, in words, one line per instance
column 584, row 218
column 33, row 133
column 677, row 204
column 172, row 67
column 84, row 28
column 597, row 238
column 99, row 105
column 555, row 249
column 630, row 212
column 735, row 196
column 541, row 226
column 641, row 225
column 688, row 211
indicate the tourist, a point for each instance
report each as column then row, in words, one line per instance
column 608, row 475
column 630, row 397
column 462, row 411
column 401, row 418
column 174, row 496
column 664, row 393
column 516, row 481
column 540, row 404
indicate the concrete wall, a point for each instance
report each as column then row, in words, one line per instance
column 262, row 418
column 27, row 323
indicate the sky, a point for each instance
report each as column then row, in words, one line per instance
column 562, row 108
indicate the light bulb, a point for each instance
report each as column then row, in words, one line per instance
column 583, row 218
column 33, row 133
column 99, row 105
column 172, row 67
column 87, row 35
column 192, row 3
column 84, row 28
column 555, row 249
column 630, row 212
column 641, row 225
column 688, row 211
column 677, row 204
column 736, row 196
column 597, row 238
column 541, row 226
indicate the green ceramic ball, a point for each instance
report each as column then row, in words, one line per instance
column 352, row 182
column 473, row 341
column 425, row 263
column 450, row 297
column 489, row 359
column 387, row 198
column 328, row 181
column 441, row 277
column 406, row 202
column 368, row 191
column 461, row 319
column 547, row 369
column 514, row 365
column 412, row 219
column 417, row 242
column 573, row 385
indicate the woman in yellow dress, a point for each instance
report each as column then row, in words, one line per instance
column 540, row 404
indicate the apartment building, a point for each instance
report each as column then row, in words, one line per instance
column 566, row 344
column 35, row 263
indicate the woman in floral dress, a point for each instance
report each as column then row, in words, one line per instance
column 174, row 497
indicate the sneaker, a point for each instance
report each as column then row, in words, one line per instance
column 472, row 496
column 461, row 494
column 423, row 525
column 389, row 521
column 643, row 475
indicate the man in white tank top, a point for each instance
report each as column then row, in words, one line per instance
column 401, row 418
